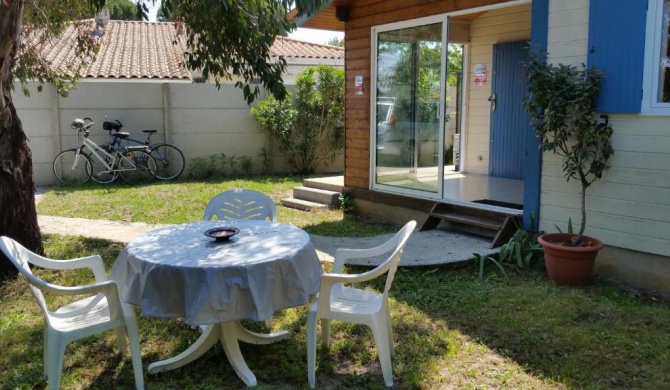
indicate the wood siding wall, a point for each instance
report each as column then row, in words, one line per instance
column 630, row 206
column 498, row 26
column 362, row 16
column 568, row 36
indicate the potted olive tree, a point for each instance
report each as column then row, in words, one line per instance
column 561, row 101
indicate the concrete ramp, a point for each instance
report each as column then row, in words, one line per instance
column 431, row 247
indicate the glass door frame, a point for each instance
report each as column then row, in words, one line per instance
column 375, row 30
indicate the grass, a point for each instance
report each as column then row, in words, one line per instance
column 186, row 201
column 453, row 330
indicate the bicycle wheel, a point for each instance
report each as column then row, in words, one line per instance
column 170, row 161
column 68, row 172
column 101, row 174
column 137, row 167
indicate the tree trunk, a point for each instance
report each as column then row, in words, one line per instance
column 18, row 215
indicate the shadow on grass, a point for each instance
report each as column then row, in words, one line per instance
column 590, row 337
column 22, row 352
column 449, row 325
column 349, row 226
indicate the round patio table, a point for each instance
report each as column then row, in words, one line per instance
column 178, row 271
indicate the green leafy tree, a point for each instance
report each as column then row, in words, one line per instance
column 430, row 56
column 122, row 10
column 562, row 103
column 336, row 41
column 226, row 37
column 455, row 63
column 39, row 22
column 310, row 129
column 164, row 16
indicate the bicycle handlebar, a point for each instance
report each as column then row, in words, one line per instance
column 89, row 124
column 81, row 125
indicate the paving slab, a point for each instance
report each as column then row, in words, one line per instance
column 94, row 228
column 427, row 248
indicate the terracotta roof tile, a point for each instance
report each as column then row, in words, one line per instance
column 288, row 47
column 147, row 50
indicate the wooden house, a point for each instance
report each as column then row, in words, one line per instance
column 400, row 163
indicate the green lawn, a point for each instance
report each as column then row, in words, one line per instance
column 453, row 330
column 182, row 202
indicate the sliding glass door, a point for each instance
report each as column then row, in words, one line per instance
column 408, row 106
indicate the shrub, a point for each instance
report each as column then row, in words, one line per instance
column 219, row 165
column 309, row 130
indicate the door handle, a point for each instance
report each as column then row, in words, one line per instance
column 492, row 99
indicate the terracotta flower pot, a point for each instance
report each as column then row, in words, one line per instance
column 568, row 265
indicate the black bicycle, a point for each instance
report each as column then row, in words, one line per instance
column 170, row 161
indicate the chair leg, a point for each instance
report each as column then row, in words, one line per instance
column 325, row 332
column 379, row 330
column 46, row 351
column 55, row 359
column 135, row 352
column 389, row 331
column 311, row 348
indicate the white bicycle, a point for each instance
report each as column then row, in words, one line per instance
column 134, row 164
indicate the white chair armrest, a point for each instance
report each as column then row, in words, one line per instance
column 344, row 254
column 93, row 262
column 107, row 287
column 328, row 280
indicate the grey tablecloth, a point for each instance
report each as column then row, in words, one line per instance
column 177, row 271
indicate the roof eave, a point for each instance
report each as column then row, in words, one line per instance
column 323, row 20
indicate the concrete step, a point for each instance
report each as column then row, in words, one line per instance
column 300, row 204
column 332, row 183
column 329, row 198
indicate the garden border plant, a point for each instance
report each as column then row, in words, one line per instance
column 521, row 252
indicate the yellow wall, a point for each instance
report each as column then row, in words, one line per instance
column 510, row 24
column 630, row 206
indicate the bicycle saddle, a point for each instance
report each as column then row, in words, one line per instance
column 116, row 125
column 121, row 135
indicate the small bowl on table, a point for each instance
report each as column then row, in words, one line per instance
column 222, row 233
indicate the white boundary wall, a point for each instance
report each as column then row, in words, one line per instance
column 198, row 118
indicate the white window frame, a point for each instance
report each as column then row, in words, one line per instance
column 374, row 31
column 652, row 59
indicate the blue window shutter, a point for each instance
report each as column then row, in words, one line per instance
column 616, row 45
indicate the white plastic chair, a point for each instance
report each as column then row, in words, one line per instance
column 337, row 302
column 101, row 311
column 241, row 204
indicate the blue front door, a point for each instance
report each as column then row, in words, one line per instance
column 509, row 120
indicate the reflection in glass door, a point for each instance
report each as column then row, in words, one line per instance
column 409, row 111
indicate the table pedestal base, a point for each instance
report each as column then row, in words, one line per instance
column 229, row 333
